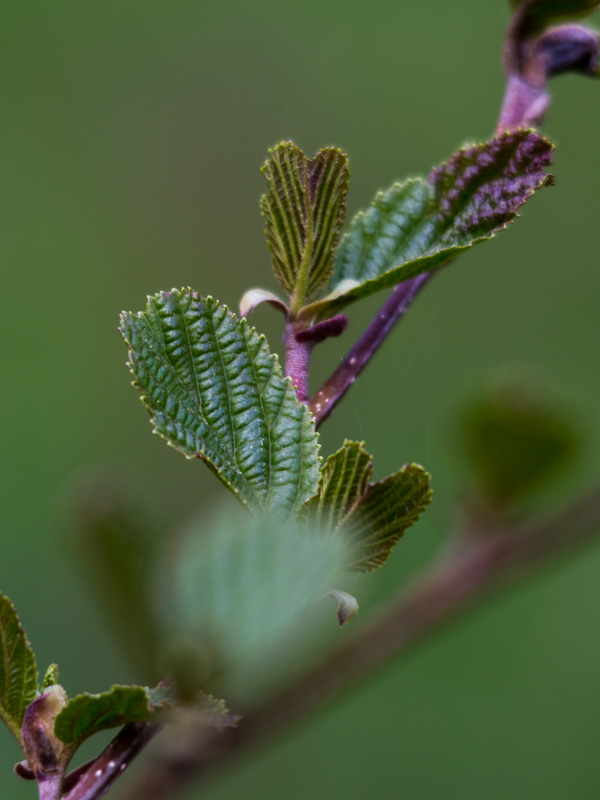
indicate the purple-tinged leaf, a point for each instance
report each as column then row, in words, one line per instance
column 420, row 225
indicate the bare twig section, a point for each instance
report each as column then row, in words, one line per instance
column 335, row 387
column 103, row 771
column 443, row 590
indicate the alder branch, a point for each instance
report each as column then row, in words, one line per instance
column 438, row 596
column 335, row 387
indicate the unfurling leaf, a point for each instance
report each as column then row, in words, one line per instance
column 51, row 677
column 18, row 671
column 516, row 438
column 87, row 714
column 420, row 225
column 371, row 517
column 304, row 209
column 214, row 391
column 254, row 297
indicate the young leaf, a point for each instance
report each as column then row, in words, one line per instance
column 304, row 208
column 372, row 517
column 215, row 392
column 419, row 225
column 87, row 714
column 51, row 677
column 18, row 671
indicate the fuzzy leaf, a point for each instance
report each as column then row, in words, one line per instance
column 372, row 517
column 215, row 392
column 420, row 225
column 304, row 208
column 241, row 583
column 87, row 714
column 18, row 671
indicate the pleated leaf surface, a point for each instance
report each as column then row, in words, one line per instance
column 215, row 391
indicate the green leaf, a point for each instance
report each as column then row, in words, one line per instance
column 87, row 714
column 18, row 671
column 240, row 585
column 542, row 13
column 516, row 438
column 304, row 209
column 420, row 225
column 214, row 391
column 372, row 517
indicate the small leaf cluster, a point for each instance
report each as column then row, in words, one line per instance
column 413, row 227
column 216, row 393
column 48, row 725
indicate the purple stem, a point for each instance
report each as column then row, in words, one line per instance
column 49, row 786
column 297, row 360
column 335, row 387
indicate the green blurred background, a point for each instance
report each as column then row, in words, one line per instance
column 131, row 139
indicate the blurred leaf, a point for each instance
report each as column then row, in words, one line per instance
column 515, row 440
column 207, row 710
column 419, row 225
column 240, row 583
column 87, row 714
column 51, row 677
column 18, row 671
column 117, row 544
column 216, row 392
column 542, row 13
column 304, row 208
column 372, row 517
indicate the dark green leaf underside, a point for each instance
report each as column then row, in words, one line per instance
column 18, row 671
column 214, row 391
